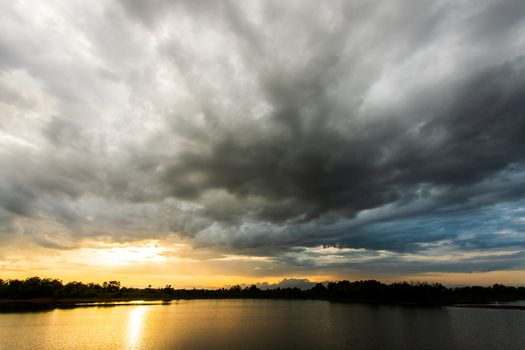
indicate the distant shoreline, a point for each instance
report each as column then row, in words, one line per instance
column 48, row 304
column 45, row 293
column 491, row 306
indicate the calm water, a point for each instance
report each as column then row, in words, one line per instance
column 263, row 324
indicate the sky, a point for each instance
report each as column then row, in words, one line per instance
column 208, row 143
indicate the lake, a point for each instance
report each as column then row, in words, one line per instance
column 263, row 324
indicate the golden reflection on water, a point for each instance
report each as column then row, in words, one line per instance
column 262, row 324
column 135, row 329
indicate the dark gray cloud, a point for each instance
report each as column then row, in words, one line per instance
column 264, row 126
column 309, row 168
column 393, row 265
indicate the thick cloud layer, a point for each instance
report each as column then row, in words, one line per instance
column 266, row 127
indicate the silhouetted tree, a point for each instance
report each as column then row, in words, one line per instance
column 364, row 291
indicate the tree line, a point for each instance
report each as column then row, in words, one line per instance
column 359, row 291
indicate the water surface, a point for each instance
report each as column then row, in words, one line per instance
column 263, row 324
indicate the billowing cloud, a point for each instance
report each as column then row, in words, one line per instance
column 269, row 129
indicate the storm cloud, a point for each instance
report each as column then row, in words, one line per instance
column 268, row 128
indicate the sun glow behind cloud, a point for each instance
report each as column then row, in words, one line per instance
column 158, row 262
column 124, row 254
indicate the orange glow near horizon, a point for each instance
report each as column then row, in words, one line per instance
column 157, row 280
column 140, row 264
column 116, row 256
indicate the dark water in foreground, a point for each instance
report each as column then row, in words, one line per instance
column 263, row 324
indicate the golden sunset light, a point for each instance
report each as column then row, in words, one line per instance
column 262, row 174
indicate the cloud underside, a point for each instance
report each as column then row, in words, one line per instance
column 268, row 129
